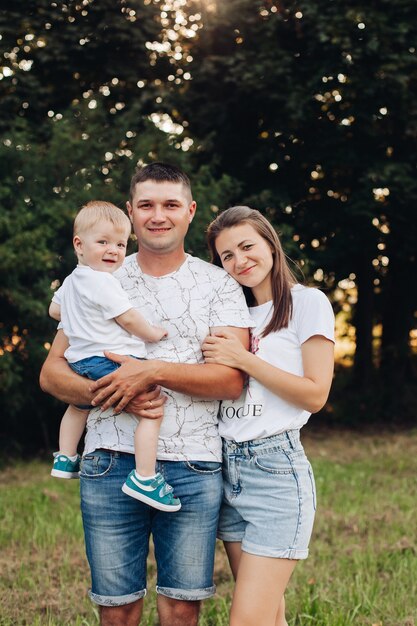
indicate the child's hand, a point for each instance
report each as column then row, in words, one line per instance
column 160, row 333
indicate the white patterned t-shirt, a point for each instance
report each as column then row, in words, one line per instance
column 188, row 303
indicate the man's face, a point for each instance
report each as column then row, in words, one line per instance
column 161, row 213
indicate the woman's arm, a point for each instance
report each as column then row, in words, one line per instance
column 309, row 392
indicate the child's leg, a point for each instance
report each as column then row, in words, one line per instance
column 67, row 460
column 144, row 483
column 146, row 444
column 72, row 427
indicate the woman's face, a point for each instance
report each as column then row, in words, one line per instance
column 246, row 256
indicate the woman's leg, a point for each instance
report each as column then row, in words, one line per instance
column 280, row 620
column 260, row 586
column 234, row 552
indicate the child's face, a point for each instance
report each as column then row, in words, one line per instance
column 103, row 247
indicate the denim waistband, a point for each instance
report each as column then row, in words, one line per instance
column 289, row 438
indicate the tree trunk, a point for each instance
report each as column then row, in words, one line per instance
column 397, row 321
column 363, row 321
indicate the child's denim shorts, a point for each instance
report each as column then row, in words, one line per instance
column 94, row 367
column 269, row 498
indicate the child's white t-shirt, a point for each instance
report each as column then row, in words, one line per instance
column 259, row 413
column 89, row 301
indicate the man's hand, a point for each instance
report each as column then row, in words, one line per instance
column 119, row 388
column 149, row 405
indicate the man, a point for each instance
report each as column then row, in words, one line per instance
column 189, row 298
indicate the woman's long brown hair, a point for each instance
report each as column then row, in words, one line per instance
column 282, row 279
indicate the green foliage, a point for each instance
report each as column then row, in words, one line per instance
column 43, row 184
column 313, row 105
column 61, row 53
column 305, row 110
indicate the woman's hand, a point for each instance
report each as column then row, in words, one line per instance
column 149, row 405
column 224, row 348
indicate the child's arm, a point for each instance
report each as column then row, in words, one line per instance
column 135, row 324
column 55, row 311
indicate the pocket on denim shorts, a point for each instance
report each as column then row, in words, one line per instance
column 96, row 464
column 204, row 467
column 313, row 487
column 274, row 463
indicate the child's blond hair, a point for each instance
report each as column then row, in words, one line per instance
column 97, row 211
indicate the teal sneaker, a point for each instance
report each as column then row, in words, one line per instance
column 64, row 467
column 154, row 491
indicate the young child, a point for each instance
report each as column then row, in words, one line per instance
column 97, row 316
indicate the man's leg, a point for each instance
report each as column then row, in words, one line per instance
column 234, row 552
column 178, row 612
column 116, row 529
column 185, row 541
column 127, row 615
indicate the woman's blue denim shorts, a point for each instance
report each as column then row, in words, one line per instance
column 269, row 498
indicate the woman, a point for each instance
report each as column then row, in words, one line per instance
column 269, row 494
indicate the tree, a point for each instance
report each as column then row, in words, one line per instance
column 316, row 103
column 58, row 54
column 41, row 189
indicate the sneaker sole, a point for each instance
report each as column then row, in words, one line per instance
column 155, row 505
column 62, row 474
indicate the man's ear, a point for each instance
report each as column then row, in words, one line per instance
column 129, row 210
column 192, row 210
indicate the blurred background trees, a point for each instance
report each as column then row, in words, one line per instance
column 307, row 111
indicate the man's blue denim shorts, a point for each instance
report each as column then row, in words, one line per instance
column 269, row 497
column 117, row 529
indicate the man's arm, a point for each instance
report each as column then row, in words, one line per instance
column 58, row 379
column 204, row 380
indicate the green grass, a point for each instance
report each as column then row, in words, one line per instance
column 362, row 568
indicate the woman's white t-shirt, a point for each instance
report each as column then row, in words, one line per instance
column 259, row 413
